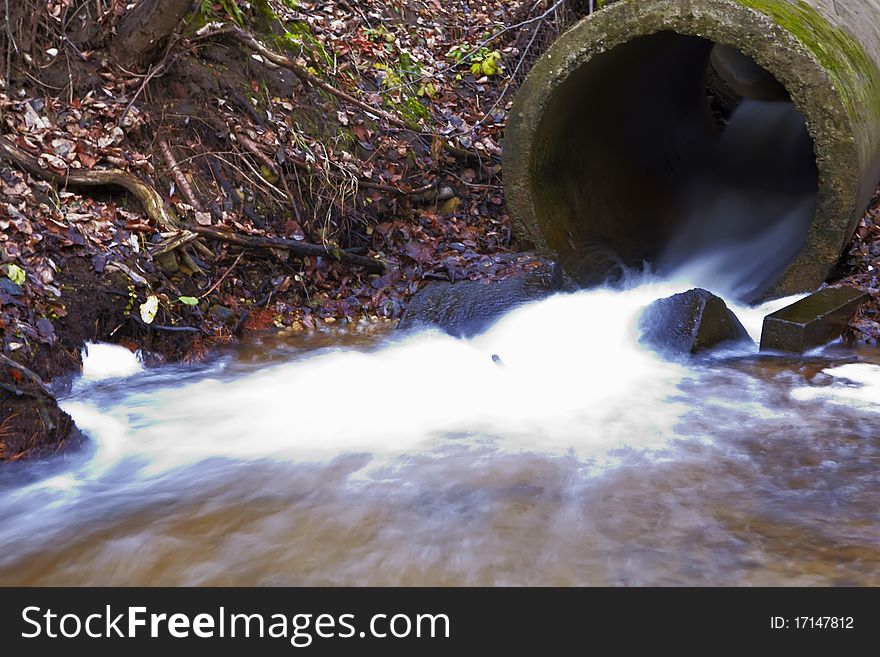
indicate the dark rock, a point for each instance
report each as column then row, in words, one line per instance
column 811, row 322
column 168, row 263
column 689, row 322
column 222, row 313
column 468, row 308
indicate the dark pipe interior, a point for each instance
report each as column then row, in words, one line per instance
column 649, row 151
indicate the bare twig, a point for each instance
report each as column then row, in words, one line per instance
column 223, row 278
column 482, row 44
column 513, row 75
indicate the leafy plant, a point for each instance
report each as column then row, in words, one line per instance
column 227, row 7
column 15, row 274
column 376, row 34
column 481, row 61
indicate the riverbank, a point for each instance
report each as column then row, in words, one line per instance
column 215, row 192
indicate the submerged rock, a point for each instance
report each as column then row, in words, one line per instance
column 690, row 322
column 468, row 308
column 811, row 322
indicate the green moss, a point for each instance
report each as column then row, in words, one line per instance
column 839, row 53
column 411, row 110
column 299, row 35
column 264, row 14
column 406, row 104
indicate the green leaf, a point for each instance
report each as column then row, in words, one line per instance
column 149, row 308
column 189, row 301
column 15, row 274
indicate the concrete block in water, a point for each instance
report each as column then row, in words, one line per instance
column 811, row 322
column 690, row 322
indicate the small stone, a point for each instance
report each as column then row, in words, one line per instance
column 168, row 263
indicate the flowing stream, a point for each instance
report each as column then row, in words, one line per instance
column 577, row 456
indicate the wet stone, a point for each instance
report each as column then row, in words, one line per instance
column 811, row 322
column 468, row 308
column 222, row 313
column 688, row 323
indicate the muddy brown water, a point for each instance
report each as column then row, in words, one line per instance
column 416, row 460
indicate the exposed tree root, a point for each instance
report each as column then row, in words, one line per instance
column 156, row 209
column 146, row 194
column 309, row 78
column 261, row 155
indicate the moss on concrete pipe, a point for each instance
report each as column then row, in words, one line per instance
column 616, row 108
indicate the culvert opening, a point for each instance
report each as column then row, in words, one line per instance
column 676, row 152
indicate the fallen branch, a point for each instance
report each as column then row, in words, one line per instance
column 149, row 198
column 179, row 240
column 297, row 248
column 179, row 177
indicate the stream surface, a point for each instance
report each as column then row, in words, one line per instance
column 581, row 457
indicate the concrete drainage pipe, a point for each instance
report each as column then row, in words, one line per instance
column 616, row 119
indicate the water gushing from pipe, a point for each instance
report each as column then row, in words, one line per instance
column 747, row 205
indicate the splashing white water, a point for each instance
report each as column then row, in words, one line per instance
column 416, row 458
column 855, row 384
column 108, row 361
column 571, row 378
column 569, row 363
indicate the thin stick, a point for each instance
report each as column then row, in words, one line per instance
column 223, row 278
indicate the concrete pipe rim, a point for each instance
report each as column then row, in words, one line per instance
column 727, row 22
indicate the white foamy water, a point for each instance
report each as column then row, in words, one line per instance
column 108, row 361
column 555, row 386
column 855, row 384
column 576, row 455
